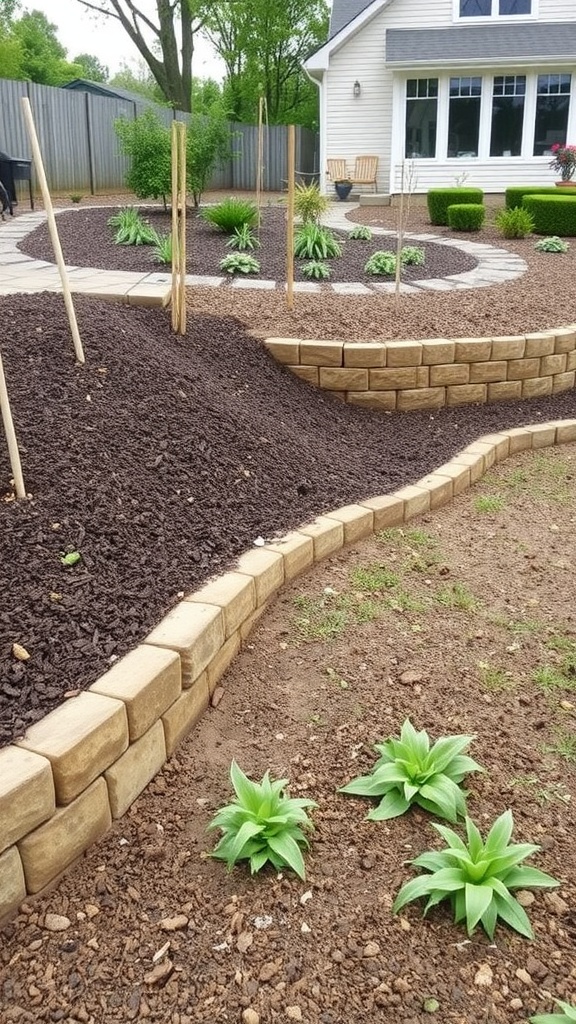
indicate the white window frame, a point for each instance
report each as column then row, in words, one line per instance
column 484, row 19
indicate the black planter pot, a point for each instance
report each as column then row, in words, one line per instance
column 343, row 190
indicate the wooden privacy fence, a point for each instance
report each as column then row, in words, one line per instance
column 82, row 152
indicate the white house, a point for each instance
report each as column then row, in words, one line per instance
column 476, row 87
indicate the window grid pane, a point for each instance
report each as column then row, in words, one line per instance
column 514, row 7
column 475, row 8
column 421, row 117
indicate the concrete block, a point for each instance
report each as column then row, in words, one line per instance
column 222, row 661
column 520, row 369
column 81, row 738
column 566, row 432
column 508, row 347
column 247, row 626
column 297, row 550
column 182, row 716
column 234, row 593
column 364, row 354
column 391, row 380
column 553, row 364
column 466, row 394
column 571, row 360
column 358, row 522
column 321, row 353
column 481, row 373
column 449, row 373
column 266, row 569
column 147, row 680
column 327, row 536
column 388, row 511
column 421, row 398
column 422, row 376
column 383, row 400
column 416, row 500
column 284, row 350
column 539, row 343
column 195, row 631
column 520, row 439
column 500, row 442
column 543, row 434
column 403, row 353
column 458, row 473
column 438, row 351
column 487, row 451
column 536, row 387
column 440, row 488
column 565, row 340
column 26, row 794
column 472, row 350
column 132, row 772
column 505, row 390
column 474, row 462
column 563, row 382
column 341, row 379
column 311, row 374
column 48, row 850
column 12, row 884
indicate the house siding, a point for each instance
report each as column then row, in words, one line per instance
column 373, row 122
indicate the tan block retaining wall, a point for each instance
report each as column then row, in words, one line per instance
column 407, row 375
column 87, row 761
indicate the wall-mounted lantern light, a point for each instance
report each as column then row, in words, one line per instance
column 357, row 90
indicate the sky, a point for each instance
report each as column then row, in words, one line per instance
column 81, row 31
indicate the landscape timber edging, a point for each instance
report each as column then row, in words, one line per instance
column 83, row 765
column 430, row 374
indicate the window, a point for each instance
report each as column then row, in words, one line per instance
column 507, row 115
column 464, row 116
column 494, row 8
column 552, row 103
column 421, row 117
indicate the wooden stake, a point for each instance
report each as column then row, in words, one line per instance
column 260, row 158
column 8, row 422
column 399, row 243
column 290, row 216
column 39, row 165
column 175, row 293
column 182, row 241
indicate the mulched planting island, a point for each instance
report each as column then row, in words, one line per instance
column 88, row 241
column 459, row 621
column 161, row 460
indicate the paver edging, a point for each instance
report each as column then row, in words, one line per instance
column 153, row 705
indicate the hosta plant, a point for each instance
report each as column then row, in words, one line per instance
column 262, row 824
column 412, row 255
column 130, row 228
column 568, row 1014
column 240, row 263
column 162, row 251
column 313, row 242
column 309, row 203
column 410, row 771
column 230, row 214
column 381, row 262
column 361, row 233
column 552, row 244
column 316, row 270
column 243, row 239
column 477, row 877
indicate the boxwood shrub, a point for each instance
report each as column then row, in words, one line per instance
column 466, row 216
column 439, row 199
column 552, row 215
column 515, row 194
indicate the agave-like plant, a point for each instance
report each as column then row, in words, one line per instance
column 410, row 771
column 568, row 1014
column 476, row 877
column 262, row 824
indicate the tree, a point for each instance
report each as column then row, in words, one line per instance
column 139, row 80
column 92, row 68
column 8, row 9
column 263, row 44
column 43, row 56
column 173, row 32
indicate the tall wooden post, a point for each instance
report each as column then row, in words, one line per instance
column 11, row 441
column 175, row 293
column 290, row 216
column 182, row 240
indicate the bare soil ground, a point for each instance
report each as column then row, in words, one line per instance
column 463, row 621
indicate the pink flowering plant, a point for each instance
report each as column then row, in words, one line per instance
column 564, row 160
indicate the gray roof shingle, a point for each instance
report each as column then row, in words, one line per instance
column 481, row 42
column 344, row 11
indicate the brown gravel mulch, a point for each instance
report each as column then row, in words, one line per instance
column 160, row 461
column 308, row 703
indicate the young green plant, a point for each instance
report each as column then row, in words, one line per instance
column 240, row 263
column 477, row 877
column 243, row 239
column 410, row 771
column 568, row 1015
column 262, row 824
column 313, row 242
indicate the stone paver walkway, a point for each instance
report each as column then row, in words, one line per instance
column 21, row 273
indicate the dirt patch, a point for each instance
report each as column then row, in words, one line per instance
column 159, row 462
column 475, row 601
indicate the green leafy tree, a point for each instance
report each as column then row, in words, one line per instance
column 92, row 68
column 209, row 142
column 43, row 56
column 139, row 80
column 11, row 56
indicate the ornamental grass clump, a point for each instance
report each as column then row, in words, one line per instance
column 313, row 242
column 568, row 1014
column 262, row 824
column 516, row 222
column 130, row 228
column 243, row 239
column 476, row 877
column 410, row 771
column 309, row 203
column 230, row 214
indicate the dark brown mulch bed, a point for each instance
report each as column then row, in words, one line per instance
column 161, row 460
column 87, row 241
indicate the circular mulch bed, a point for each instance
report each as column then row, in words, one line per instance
column 160, row 461
column 87, row 241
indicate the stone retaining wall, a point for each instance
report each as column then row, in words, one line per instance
column 87, row 761
column 405, row 375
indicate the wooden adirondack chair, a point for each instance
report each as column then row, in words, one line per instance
column 365, row 171
column 337, row 169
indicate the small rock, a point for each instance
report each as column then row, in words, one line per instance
column 401, row 985
column 268, row 971
column 484, row 976
column 555, row 902
column 174, row 924
column 294, row 1013
column 525, row 898
column 371, row 949
column 410, row 677
column 244, row 941
column 160, row 973
column 305, row 897
column 250, row 1016
column 56, row 923
column 405, row 925
column 523, row 976
column 36, row 944
column 516, row 1004
column 217, row 696
column 367, row 863
column 161, row 953
column 20, row 653
column 305, row 928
